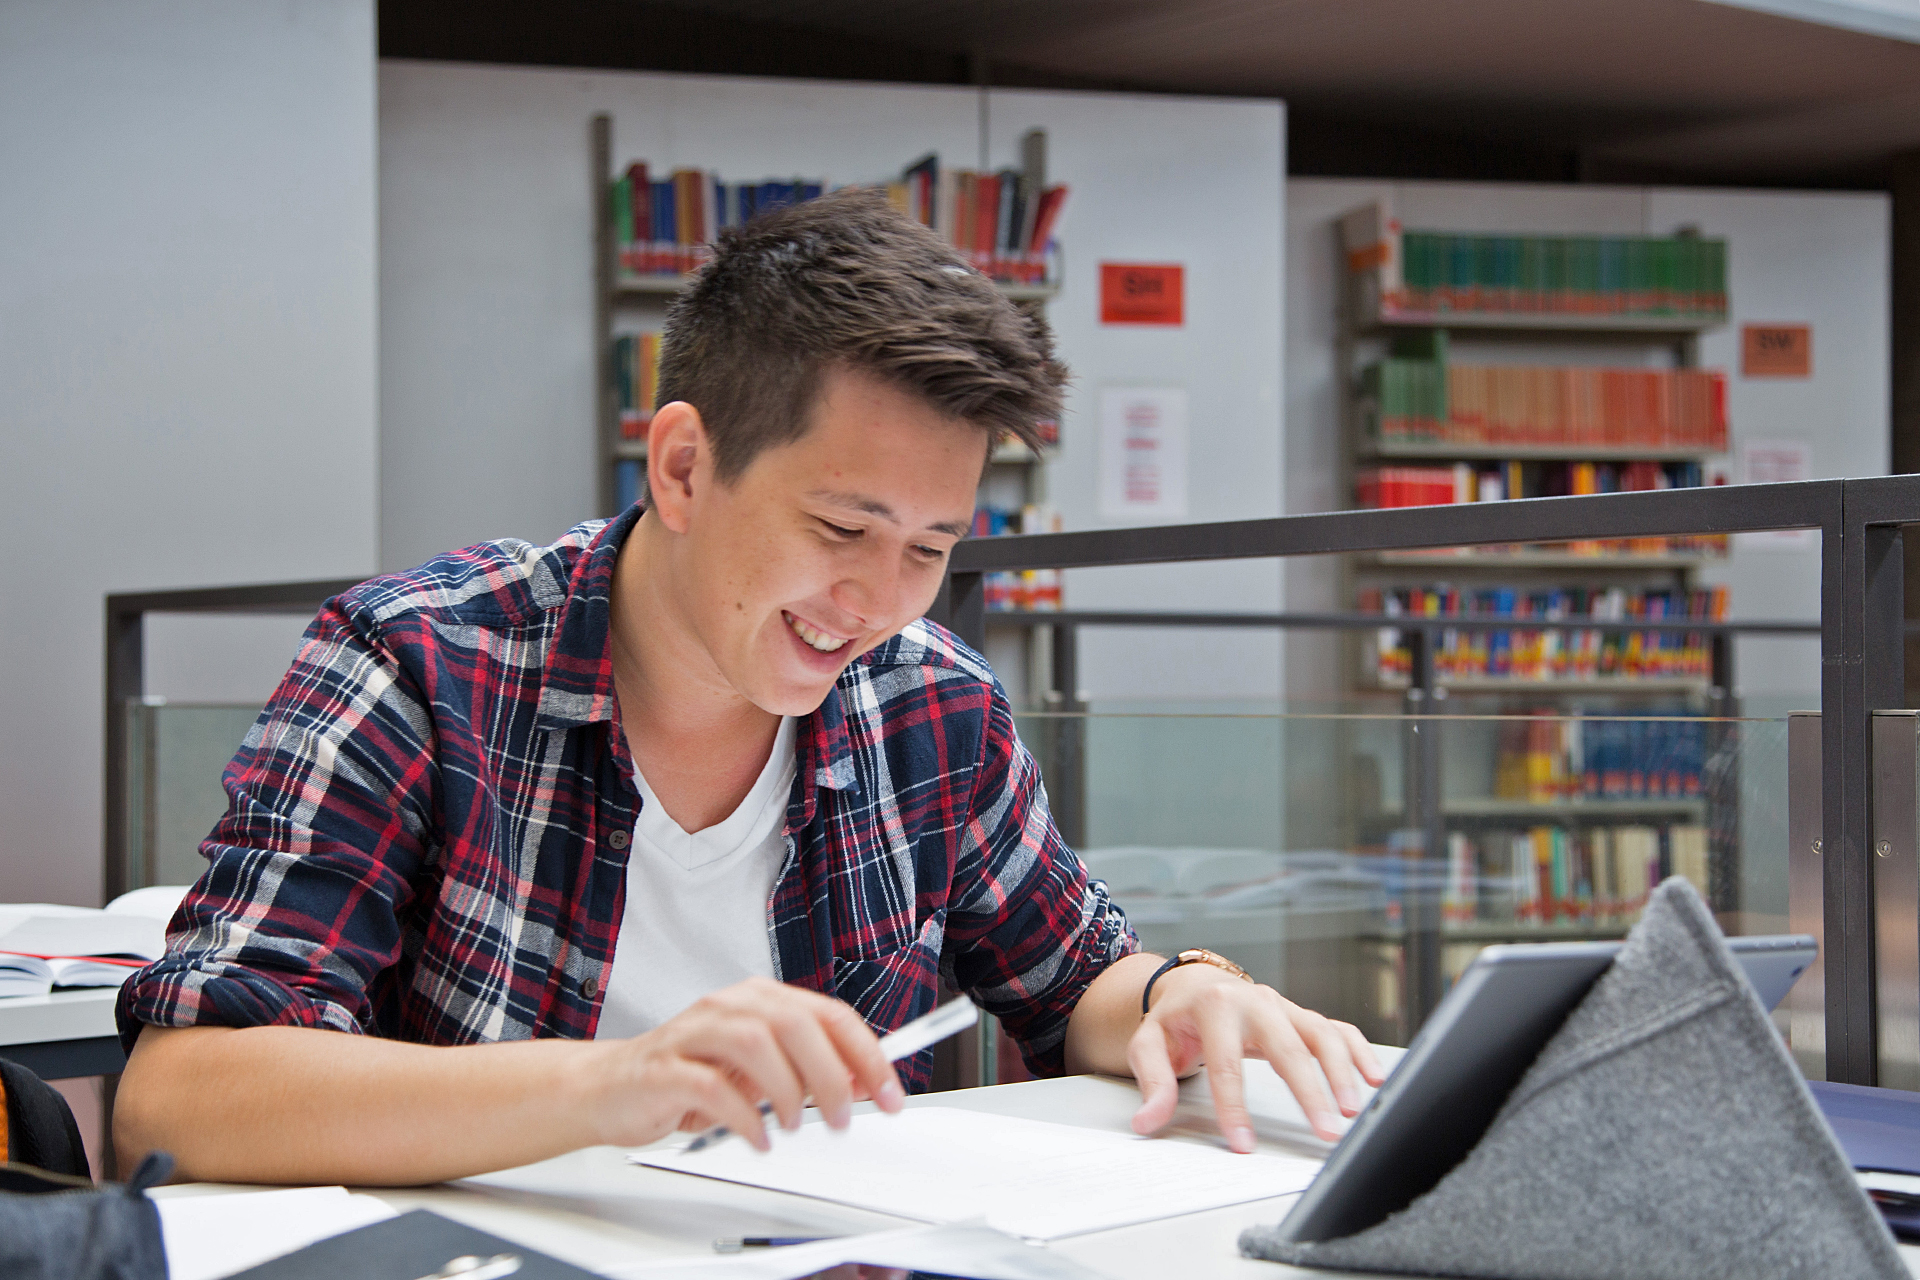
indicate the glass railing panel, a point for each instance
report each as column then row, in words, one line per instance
column 1896, row 893
column 176, row 753
column 1358, row 859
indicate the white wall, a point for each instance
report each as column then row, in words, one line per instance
column 1818, row 258
column 187, row 342
column 486, row 296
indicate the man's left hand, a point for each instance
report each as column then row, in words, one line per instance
column 1202, row 1014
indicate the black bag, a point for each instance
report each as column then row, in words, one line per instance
column 58, row 1227
column 40, row 1130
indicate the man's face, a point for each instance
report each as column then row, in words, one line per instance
column 828, row 546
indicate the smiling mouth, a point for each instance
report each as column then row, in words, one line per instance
column 815, row 639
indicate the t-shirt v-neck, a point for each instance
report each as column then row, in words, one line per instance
column 696, row 909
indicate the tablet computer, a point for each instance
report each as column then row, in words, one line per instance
column 1466, row 1060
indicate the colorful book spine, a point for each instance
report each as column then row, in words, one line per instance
column 636, row 381
column 1029, row 589
column 629, row 475
column 1536, row 655
column 1425, row 402
column 666, row 226
column 1592, row 877
column 1625, row 277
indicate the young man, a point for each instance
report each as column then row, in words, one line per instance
column 536, row 848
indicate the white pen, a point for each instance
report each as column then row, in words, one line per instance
column 949, row 1019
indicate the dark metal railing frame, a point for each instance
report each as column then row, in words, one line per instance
column 1861, row 636
column 1861, row 641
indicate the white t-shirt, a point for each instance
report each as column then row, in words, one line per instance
column 696, row 911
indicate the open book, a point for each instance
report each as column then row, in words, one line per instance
column 42, row 947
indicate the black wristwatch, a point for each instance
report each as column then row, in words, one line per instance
column 1192, row 955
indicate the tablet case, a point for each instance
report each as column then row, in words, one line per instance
column 1663, row 1133
column 406, row 1247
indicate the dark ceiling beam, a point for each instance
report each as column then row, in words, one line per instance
column 612, row 35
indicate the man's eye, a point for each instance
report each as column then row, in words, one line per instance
column 844, row 533
column 931, row 553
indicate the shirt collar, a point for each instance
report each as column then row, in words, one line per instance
column 576, row 685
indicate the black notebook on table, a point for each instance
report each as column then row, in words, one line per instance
column 407, row 1247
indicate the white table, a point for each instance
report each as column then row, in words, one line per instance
column 63, row 1035
column 594, row 1209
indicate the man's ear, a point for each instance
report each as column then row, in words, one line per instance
column 678, row 455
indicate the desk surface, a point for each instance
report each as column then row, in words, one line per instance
column 85, row 1013
column 594, row 1209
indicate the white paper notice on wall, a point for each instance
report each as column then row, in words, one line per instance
column 1143, row 452
column 1777, row 462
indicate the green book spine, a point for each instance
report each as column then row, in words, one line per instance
column 1639, row 279
column 1485, row 297
column 1459, row 293
column 1533, row 273
column 1556, row 282
column 1613, row 275
column 622, row 210
column 1506, row 273
column 1584, row 253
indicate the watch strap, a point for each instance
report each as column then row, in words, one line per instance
column 1192, row 955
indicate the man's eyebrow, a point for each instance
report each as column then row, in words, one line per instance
column 875, row 507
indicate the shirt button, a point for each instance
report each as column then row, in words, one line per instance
column 589, row 987
column 618, row 839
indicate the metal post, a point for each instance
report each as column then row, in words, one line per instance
column 125, row 681
column 1066, row 741
column 605, row 412
column 1722, row 770
column 1421, row 793
column 1806, row 1004
column 1896, row 895
column 1862, row 660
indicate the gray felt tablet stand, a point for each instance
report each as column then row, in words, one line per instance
column 1662, row 1132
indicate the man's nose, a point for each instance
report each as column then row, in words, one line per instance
column 871, row 591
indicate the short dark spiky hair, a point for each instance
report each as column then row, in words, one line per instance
column 846, row 281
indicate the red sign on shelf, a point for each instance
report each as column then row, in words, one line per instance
column 1142, row 293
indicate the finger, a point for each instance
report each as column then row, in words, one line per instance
column 745, row 1046
column 859, row 1049
column 1223, row 1038
column 815, row 1055
column 1282, row 1046
column 1363, row 1055
column 1334, row 1053
column 1153, row 1072
column 707, row 1090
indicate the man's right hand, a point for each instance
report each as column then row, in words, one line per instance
column 716, row 1061
column 301, row 1105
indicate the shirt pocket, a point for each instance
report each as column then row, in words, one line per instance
column 891, row 990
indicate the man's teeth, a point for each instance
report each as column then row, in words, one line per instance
column 824, row 643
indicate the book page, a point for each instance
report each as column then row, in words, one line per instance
column 1029, row 1178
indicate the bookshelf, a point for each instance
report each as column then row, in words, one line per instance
column 631, row 302
column 1476, row 367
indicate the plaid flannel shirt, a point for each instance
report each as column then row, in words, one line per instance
column 428, row 829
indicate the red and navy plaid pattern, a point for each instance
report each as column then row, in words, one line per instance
column 417, row 844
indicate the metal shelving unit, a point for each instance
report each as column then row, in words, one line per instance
column 618, row 291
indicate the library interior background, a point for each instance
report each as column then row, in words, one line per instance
column 306, row 292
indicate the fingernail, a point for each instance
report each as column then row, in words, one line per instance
column 1242, row 1140
column 842, row 1116
column 891, row 1094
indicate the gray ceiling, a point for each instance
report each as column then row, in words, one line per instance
column 1688, row 85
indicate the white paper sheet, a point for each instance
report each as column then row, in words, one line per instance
column 214, row 1235
column 967, row 1249
column 1029, row 1178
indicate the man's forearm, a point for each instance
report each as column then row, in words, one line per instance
column 297, row 1104
column 1107, row 1016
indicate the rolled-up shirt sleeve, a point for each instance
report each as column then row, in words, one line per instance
column 1030, row 931
column 311, row 871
